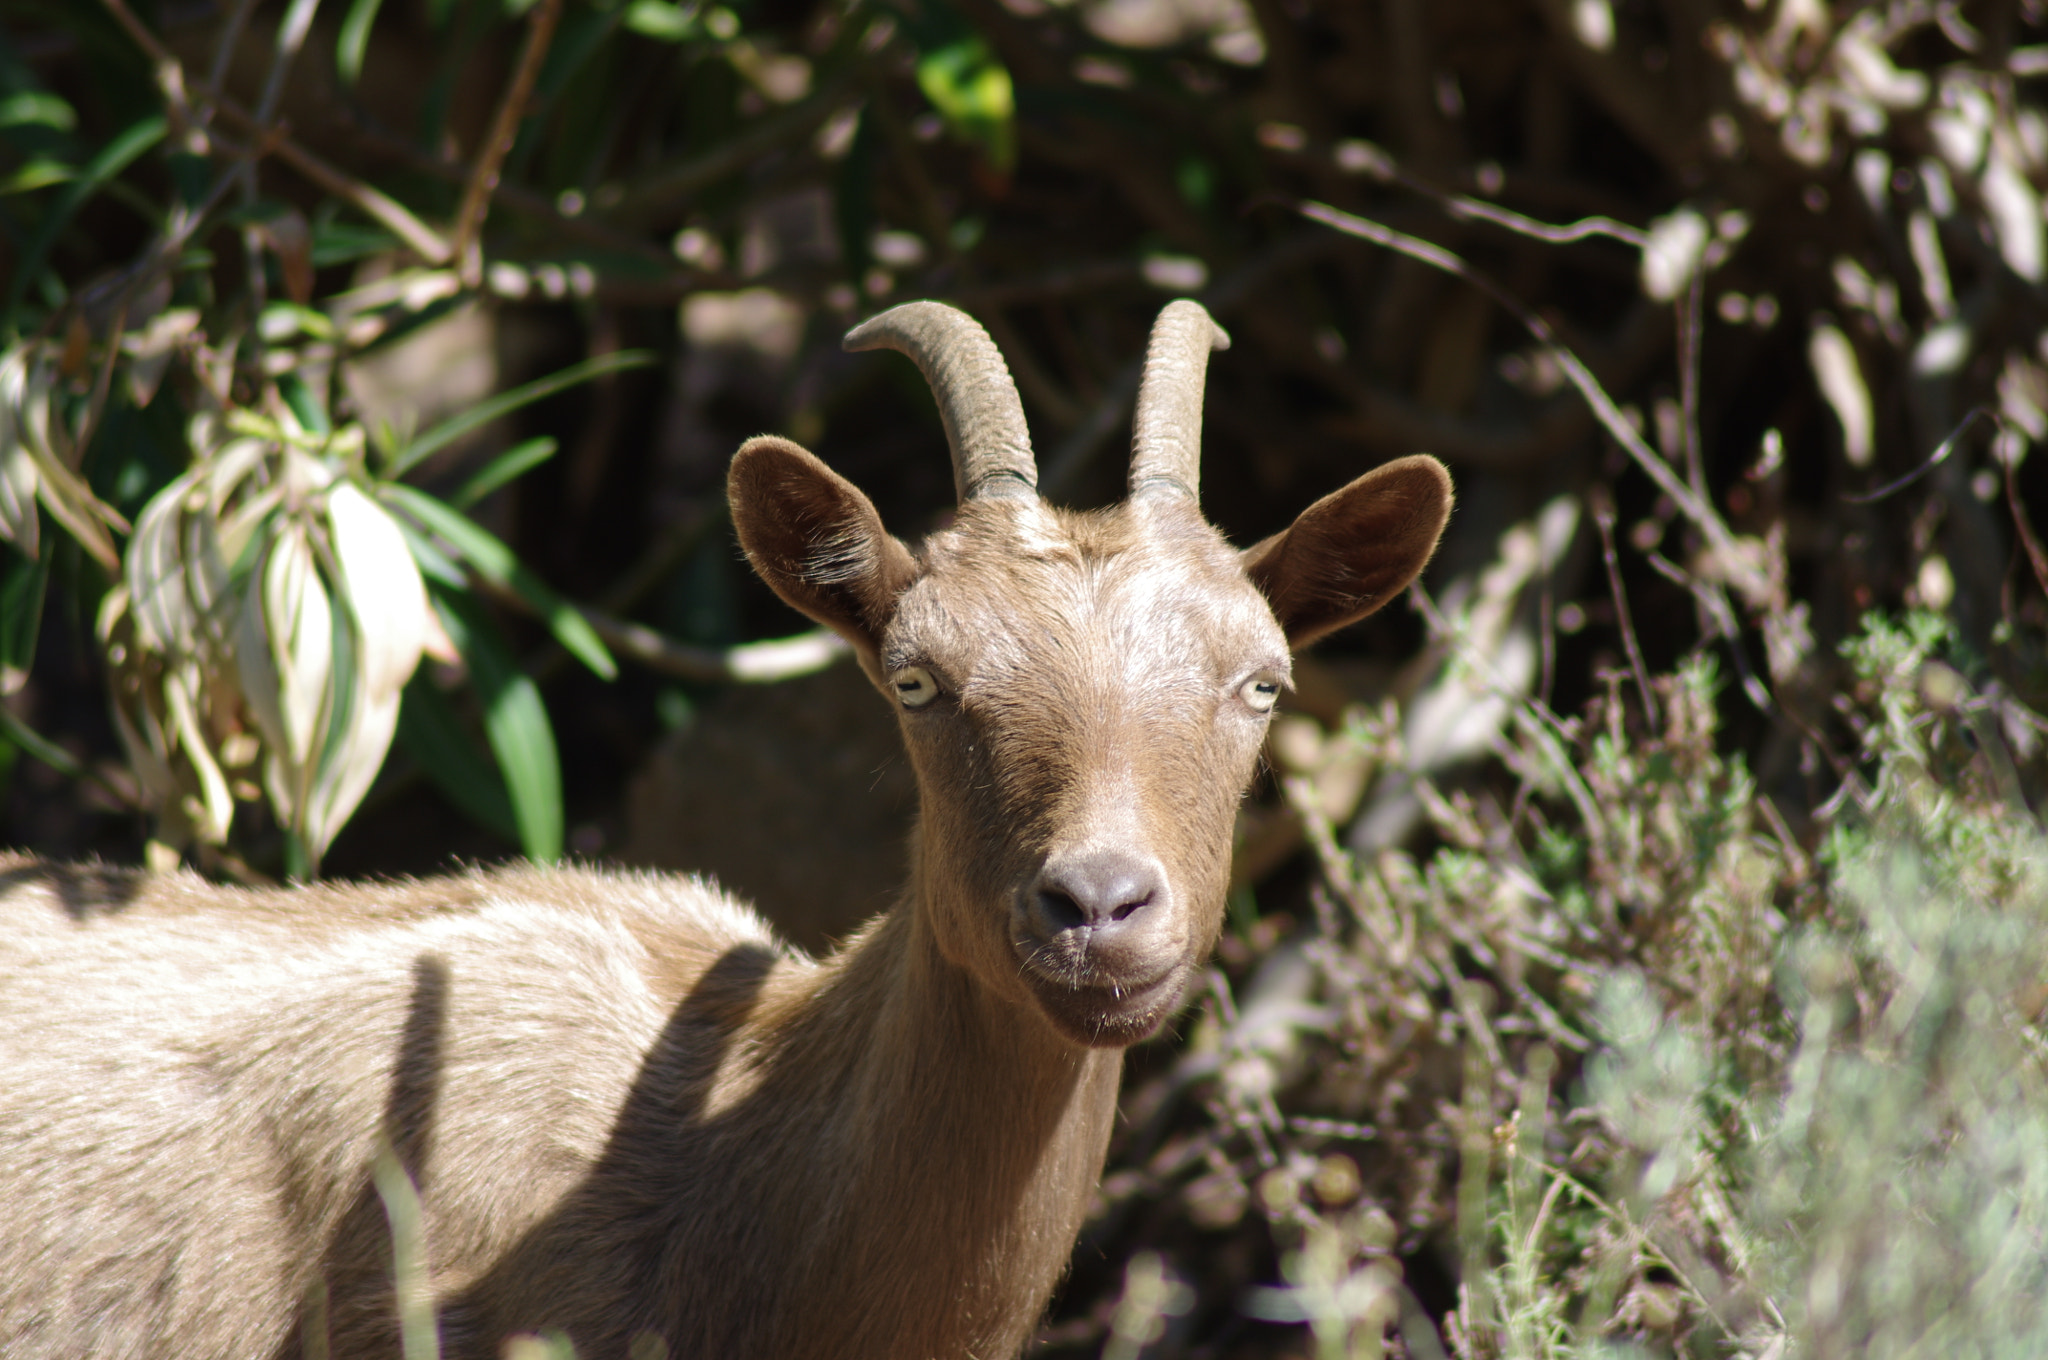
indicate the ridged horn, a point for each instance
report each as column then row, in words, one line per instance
column 1166, row 436
column 978, row 402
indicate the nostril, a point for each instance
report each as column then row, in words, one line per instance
column 1099, row 890
column 1057, row 911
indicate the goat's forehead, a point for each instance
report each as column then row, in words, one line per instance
column 1033, row 578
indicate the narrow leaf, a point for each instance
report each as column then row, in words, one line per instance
column 515, row 724
column 354, row 39
column 113, row 158
column 483, row 413
column 23, row 583
column 432, row 734
column 513, row 462
column 495, row 562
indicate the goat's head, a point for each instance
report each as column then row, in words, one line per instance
column 1083, row 695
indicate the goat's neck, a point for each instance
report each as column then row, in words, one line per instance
column 973, row 1138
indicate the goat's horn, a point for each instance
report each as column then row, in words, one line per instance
column 1166, row 439
column 978, row 402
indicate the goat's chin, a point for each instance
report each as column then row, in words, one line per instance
column 1110, row 1017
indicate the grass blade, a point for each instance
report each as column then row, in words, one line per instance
column 513, row 462
column 515, row 724
column 354, row 39
column 483, row 413
column 432, row 734
column 113, row 158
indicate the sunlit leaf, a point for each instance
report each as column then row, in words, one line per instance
column 971, row 90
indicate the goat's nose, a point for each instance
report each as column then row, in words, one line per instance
column 1099, row 889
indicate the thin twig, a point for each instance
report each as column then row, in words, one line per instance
column 1933, row 460
column 490, row 161
column 2035, row 554
column 1689, row 382
column 1575, row 370
column 423, row 239
column 1603, row 516
column 224, row 49
column 291, row 36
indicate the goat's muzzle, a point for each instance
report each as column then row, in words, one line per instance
column 1099, row 935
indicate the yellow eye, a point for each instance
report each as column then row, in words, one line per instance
column 914, row 686
column 1261, row 692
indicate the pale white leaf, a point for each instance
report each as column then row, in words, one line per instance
column 300, row 621
column 164, row 619
column 2015, row 212
column 1841, row 381
column 1593, row 22
column 1868, row 69
column 1942, row 350
column 213, row 809
column 150, row 350
column 383, row 588
column 20, row 524
column 1672, row 253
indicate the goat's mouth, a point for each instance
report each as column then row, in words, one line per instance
column 1098, row 1006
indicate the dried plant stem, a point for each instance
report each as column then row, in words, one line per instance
column 2035, row 554
column 423, row 239
column 1603, row 516
column 490, row 161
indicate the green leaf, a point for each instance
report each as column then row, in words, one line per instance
column 354, row 39
column 39, row 172
column 434, row 564
column 483, row 413
column 37, row 108
column 496, row 563
column 433, row 735
column 513, row 462
column 971, row 90
column 112, row 159
column 305, row 403
column 23, row 583
column 661, row 20
column 515, row 724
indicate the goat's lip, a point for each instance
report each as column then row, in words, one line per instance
column 1101, row 1006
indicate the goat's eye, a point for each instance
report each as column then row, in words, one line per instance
column 1261, row 692
column 915, row 686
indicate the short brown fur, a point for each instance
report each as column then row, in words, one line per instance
column 628, row 1111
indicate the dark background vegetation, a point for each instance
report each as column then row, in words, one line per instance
column 730, row 189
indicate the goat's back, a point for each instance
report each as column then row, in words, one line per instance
column 198, row 1082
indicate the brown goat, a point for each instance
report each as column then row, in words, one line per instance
column 631, row 1116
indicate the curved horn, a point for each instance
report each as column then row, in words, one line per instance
column 1166, row 437
column 978, row 402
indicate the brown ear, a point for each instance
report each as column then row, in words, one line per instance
column 1354, row 549
column 816, row 539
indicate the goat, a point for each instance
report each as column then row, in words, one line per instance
column 631, row 1117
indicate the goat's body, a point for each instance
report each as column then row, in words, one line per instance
column 553, row 1057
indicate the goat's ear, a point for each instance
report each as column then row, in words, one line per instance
column 817, row 540
column 1353, row 550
